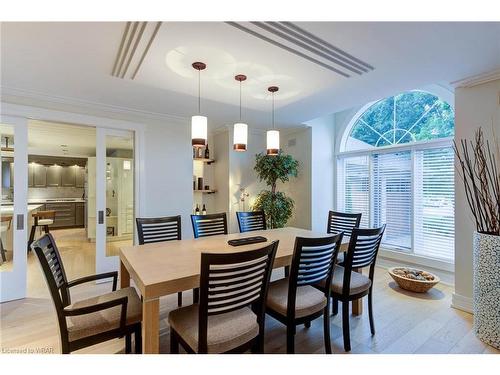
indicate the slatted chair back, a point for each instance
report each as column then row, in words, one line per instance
column 342, row 222
column 250, row 221
column 160, row 229
column 209, row 225
column 55, row 276
column 362, row 252
column 313, row 261
column 232, row 281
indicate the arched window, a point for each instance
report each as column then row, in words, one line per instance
column 396, row 167
column 409, row 117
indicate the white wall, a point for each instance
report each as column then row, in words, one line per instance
column 167, row 172
column 298, row 143
column 322, row 170
column 475, row 106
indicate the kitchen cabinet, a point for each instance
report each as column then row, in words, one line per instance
column 79, row 214
column 11, row 175
column 54, row 175
column 80, row 177
column 65, row 214
column 31, row 173
column 68, row 176
column 39, row 175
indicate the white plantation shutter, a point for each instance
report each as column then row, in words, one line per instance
column 434, row 203
column 392, row 197
column 354, row 195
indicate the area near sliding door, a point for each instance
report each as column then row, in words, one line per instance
column 112, row 174
column 14, row 207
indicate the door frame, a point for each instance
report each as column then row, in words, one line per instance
column 13, row 283
column 24, row 114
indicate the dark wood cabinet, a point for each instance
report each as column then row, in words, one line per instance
column 39, row 175
column 54, row 175
column 80, row 177
column 68, row 176
column 31, row 173
column 79, row 214
column 65, row 214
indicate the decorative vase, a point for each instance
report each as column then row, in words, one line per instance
column 486, row 293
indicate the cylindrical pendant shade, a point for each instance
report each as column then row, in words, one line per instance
column 240, row 137
column 199, row 131
column 273, row 142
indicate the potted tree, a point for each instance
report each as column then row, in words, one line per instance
column 479, row 168
column 277, row 207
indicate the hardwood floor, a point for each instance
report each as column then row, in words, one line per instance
column 405, row 322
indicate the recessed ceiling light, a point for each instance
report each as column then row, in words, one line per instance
column 64, row 145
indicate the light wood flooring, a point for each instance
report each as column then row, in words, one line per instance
column 405, row 322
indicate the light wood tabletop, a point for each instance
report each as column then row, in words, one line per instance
column 164, row 268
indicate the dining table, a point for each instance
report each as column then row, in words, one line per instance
column 163, row 268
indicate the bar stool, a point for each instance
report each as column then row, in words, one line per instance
column 42, row 220
column 4, row 227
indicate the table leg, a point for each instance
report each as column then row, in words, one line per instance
column 124, row 276
column 357, row 305
column 151, row 326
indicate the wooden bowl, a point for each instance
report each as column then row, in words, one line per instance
column 418, row 286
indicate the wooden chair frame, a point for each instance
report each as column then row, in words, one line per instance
column 60, row 292
column 160, row 220
column 345, row 297
column 290, row 320
column 258, row 306
column 242, row 215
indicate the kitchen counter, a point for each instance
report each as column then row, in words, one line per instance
column 56, row 200
column 9, row 210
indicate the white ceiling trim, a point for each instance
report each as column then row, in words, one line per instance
column 477, row 79
column 39, row 99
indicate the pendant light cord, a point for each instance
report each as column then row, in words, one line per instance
column 199, row 91
column 240, row 101
column 273, row 110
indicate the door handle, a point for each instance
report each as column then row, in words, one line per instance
column 100, row 218
column 20, row 222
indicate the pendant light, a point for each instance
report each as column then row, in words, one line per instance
column 240, row 130
column 199, row 122
column 273, row 136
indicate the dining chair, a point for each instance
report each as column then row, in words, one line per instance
column 160, row 229
column 94, row 320
column 296, row 299
column 209, row 225
column 42, row 219
column 348, row 285
column 251, row 220
column 230, row 316
column 341, row 222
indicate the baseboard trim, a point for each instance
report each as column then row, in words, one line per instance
column 462, row 303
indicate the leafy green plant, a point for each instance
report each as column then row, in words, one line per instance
column 277, row 207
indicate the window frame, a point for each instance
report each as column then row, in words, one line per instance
column 341, row 153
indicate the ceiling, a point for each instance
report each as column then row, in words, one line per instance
column 66, row 140
column 320, row 67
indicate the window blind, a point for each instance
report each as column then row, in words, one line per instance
column 435, row 203
column 356, row 188
column 392, row 197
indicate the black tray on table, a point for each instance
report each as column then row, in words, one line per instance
column 247, row 241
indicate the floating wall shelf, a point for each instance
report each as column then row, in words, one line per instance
column 204, row 160
column 205, row 191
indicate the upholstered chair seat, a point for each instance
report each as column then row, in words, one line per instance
column 359, row 283
column 81, row 326
column 309, row 300
column 224, row 331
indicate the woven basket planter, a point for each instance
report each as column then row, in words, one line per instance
column 486, row 292
column 418, row 286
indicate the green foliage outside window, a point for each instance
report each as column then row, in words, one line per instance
column 411, row 116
